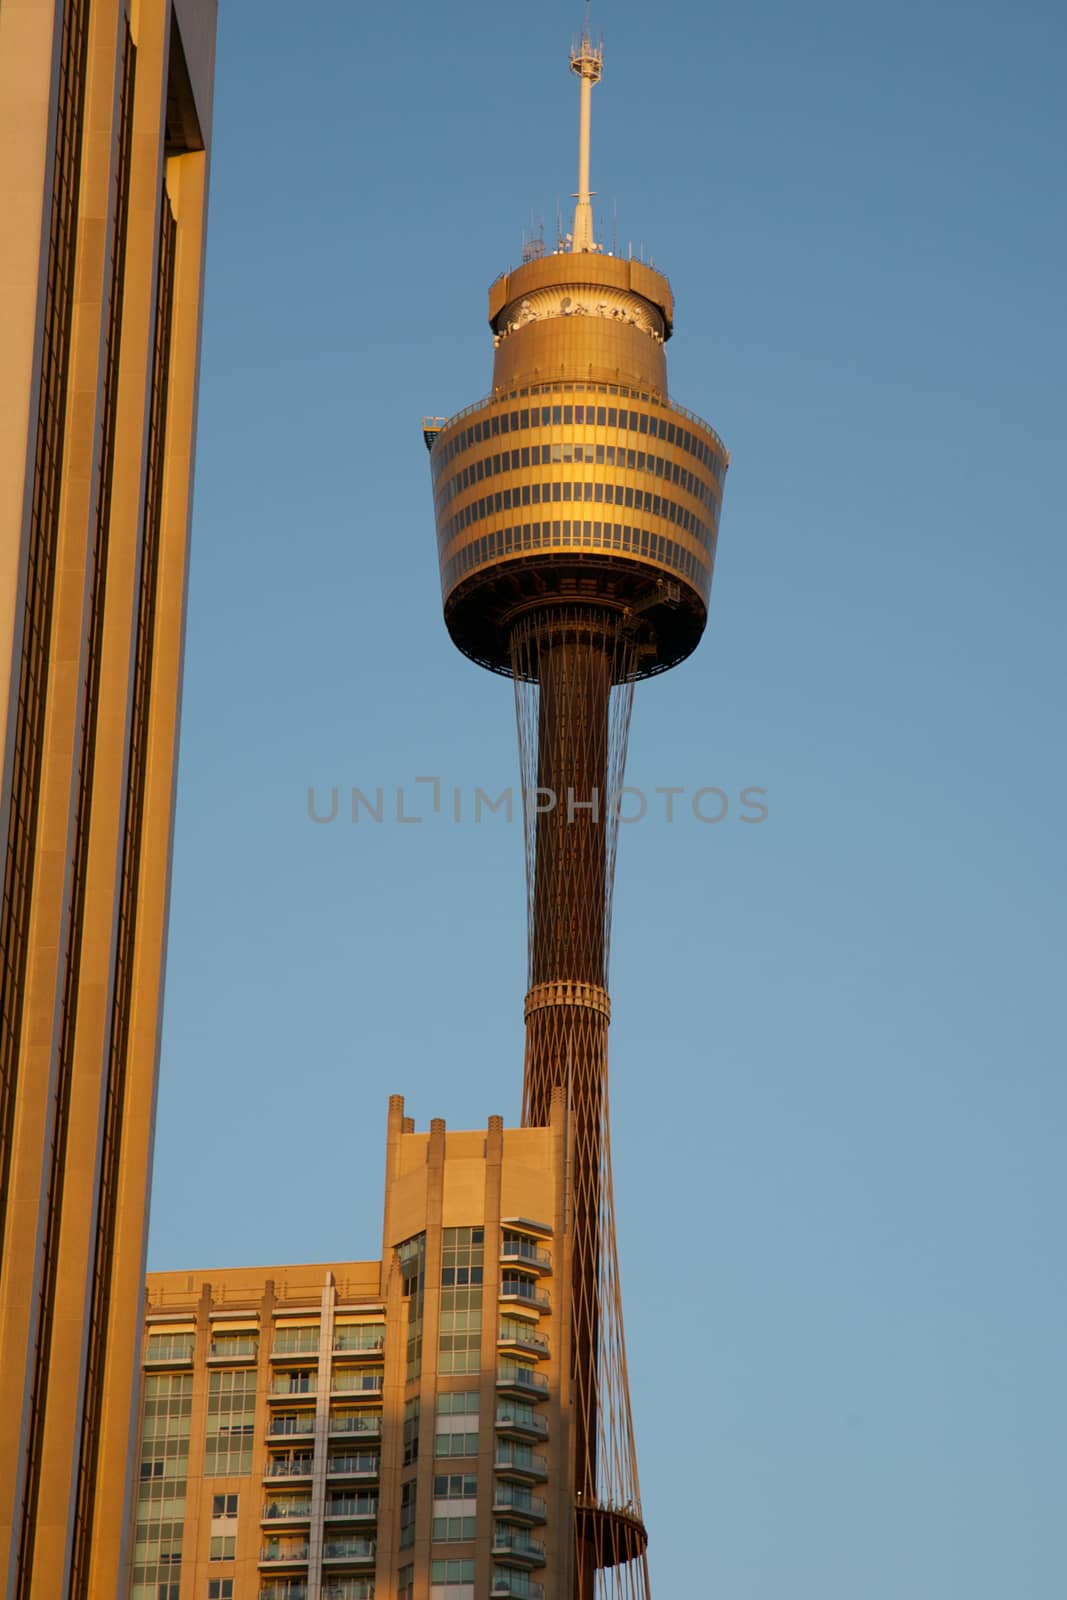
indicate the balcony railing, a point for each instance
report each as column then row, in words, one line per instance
column 284, row 1383
column 524, row 1335
column 510, row 1376
column 169, row 1347
column 357, row 1382
column 517, row 1584
column 289, row 1552
column 366, row 1464
column 519, row 1544
column 370, row 1425
column 366, row 1338
column 521, row 1419
column 280, row 1510
column 349, row 1589
column 281, row 1467
column 304, row 1423
column 349, row 1549
column 236, row 1349
column 525, row 1250
column 518, row 1502
column 357, row 1505
column 284, row 1591
column 521, row 1289
column 517, row 1458
column 295, row 1342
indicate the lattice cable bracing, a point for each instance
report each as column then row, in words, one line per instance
column 573, row 673
column 574, row 690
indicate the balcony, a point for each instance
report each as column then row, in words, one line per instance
column 357, row 1380
column 290, row 1510
column 515, row 1544
column 520, row 1422
column 365, row 1465
column 367, row 1424
column 517, row 1584
column 289, row 1467
column 521, row 1381
column 300, row 1344
column 518, row 1505
column 521, row 1292
column 353, row 1550
column 288, row 1385
column 284, row 1591
column 299, row 1424
column 170, row 1350
column 356, row 1507
column 524, row 1253
column 283, row 1555
column 238, row 1351
column 348, row 1589
column 370, row 1338
column 523, row 1338
column 516, row 1461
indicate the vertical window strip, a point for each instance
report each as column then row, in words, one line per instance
column 32, row 704
column 104, row 1243
column 164, row 1467
column 40, row 573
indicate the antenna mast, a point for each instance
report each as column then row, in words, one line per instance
column 587, row 61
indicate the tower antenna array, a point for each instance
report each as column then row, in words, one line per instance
column 587, row 62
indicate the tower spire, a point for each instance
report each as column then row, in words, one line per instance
column 587, row 61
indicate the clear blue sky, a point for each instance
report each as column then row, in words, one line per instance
column 840, row 1118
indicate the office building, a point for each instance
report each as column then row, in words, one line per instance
column 105, row 124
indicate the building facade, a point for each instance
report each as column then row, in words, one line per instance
column 397, row 1427
column 105, row 125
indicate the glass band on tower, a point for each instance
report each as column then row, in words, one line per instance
column 577, row 512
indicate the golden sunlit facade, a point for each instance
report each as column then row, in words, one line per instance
column 355, row 1429
column 105, row 120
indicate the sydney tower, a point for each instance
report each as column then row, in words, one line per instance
column 577, row 512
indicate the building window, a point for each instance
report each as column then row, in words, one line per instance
column 157, row 1556
column 412, row 1258
column 411, row 1432
column 220, row 1589
column 455, row 1486
column 170, row 1346
column 231, row 1411
column 461, row 1404
column 224, row 1505
column 405, row 1582
column 451, row 1529
column 462, row 1256
column 452, row 1571
column 457, row 1424
column 223, row 1547
column 455, row 1444
column 460, row 1340
column 407, row 1514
